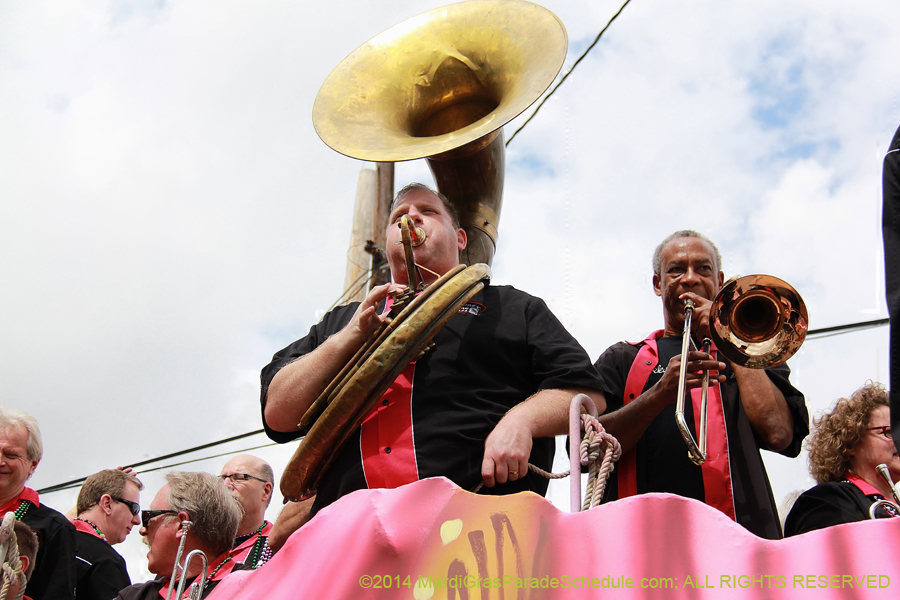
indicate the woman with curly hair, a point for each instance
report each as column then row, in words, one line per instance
column 844, row 450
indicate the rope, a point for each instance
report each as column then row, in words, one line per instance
column 598, row 450
column 13, row 579
column 597, row 439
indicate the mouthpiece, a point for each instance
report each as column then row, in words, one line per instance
column 416, row 234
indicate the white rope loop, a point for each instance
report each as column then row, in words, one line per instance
column 598, row 450
column 12, row 579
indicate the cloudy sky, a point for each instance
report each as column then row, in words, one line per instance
column 169, row 218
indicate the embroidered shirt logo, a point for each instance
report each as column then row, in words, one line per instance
column 472, row 308
column 659, row 370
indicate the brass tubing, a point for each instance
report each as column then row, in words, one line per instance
column 886, row 475
column 406, row 225
column 697, row 453
column 400, row 342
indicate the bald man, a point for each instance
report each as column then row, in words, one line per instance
column 251, row 481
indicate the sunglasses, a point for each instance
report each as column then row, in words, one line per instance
column 241, row 477
column 147, row 515
column 134, row 507
column 884, row 430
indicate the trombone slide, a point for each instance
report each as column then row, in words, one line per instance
column 696, row 452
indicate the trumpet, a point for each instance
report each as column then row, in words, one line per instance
column 886, row 475
column 756, row 321
column 196, row 589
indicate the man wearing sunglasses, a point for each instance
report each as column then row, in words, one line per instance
column 108, row 507
column 251, row 482
column 214, row 515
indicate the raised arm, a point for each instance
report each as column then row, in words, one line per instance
column 630, row 422
column 297, row 385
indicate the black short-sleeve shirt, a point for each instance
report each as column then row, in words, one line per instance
column 828, row 504
column 662, row 463
column 101, row 570
column 54, row 571
column 499, row 349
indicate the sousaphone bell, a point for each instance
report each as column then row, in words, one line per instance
column 440, row 85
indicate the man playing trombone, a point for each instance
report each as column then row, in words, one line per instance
column 748, row 408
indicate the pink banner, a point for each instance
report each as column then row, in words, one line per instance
column 431, row 539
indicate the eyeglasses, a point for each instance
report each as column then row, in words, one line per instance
column 884, row 430
column 147, row 515
column 134, row 507
column 241, row 477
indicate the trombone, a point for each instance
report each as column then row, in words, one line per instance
column 696, row 452
column 886, row 475
column 196, row 590
column 756, row 321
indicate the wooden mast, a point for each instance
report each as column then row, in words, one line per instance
column 374, row 193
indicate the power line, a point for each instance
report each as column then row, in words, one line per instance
column 849, row 328
column 812, row 333
column 80, row 480
column 569, row 72
column 77, row 482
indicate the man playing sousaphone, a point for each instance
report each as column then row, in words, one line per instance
column 479, row 406
column 748, row 408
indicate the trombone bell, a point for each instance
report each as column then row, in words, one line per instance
column 758, row 321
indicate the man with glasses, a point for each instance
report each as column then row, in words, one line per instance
column 251, row 482
column 21, row 450
column 194, row 509
column 108, row 507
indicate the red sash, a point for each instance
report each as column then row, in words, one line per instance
column 716, row 470
column 386, row 437
column 864, row 486
column 224, row 570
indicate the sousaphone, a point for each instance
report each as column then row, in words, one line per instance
column 440, row 85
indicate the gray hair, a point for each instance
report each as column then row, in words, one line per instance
column 684, row 233
column 10, row 417
column 412, row 187
column 214, row 512
column 265, row 471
